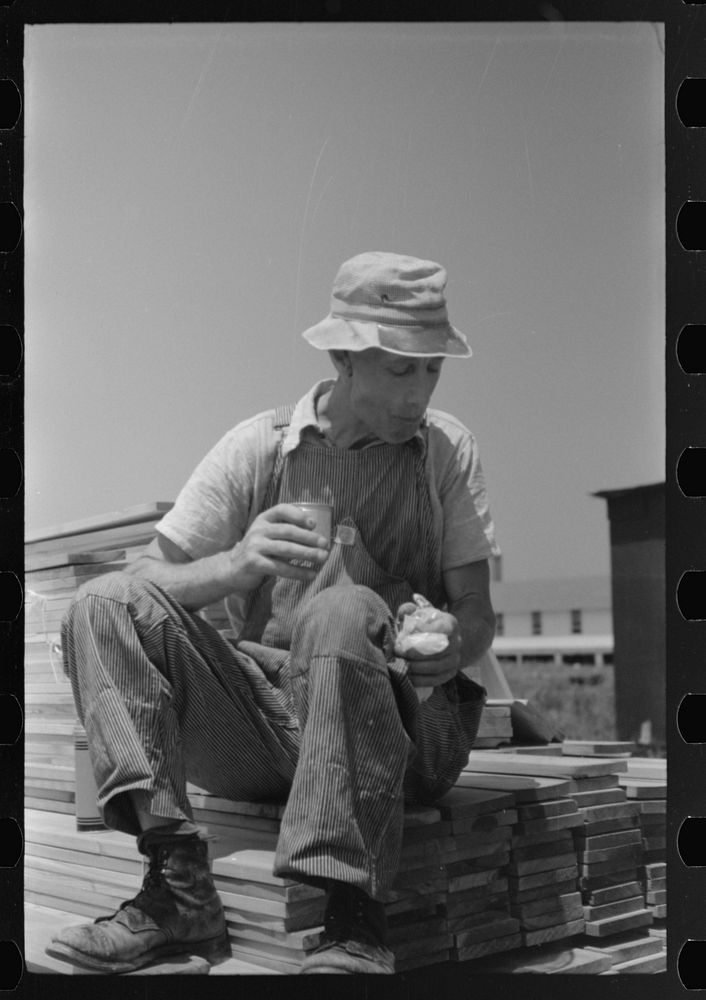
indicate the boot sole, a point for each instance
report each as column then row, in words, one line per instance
column 214, row 950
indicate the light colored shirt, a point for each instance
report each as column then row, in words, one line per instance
column 224, row 494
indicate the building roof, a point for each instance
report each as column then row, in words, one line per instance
column 630, row 490
column 587, row 593
column 550, row 644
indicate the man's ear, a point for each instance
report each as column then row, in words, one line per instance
column 341, row 362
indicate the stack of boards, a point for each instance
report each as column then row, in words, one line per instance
column 645, row 784
column 607, row 849
column 497, row 873
column 60, row 559
column 547, row 861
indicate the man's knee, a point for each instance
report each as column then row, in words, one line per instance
column 354, row 604
column 100, row 601
column 352, row 621
column 118, row 587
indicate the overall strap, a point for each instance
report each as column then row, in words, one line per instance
column 282, row 420
column 283, row 416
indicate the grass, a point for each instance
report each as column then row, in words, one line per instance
column 581, row 711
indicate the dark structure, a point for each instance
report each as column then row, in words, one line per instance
column 637, row 544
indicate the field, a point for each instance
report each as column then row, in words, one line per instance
column 581, row 711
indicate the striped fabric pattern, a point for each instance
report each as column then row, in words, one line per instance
column 324, row 716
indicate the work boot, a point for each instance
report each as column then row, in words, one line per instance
column 177, row 911
column 355, row 928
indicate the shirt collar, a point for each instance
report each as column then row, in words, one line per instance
column 304, row 417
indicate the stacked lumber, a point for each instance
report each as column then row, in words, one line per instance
column 645, row 785
column 543, row 870
column 631, row 952
column 473, row 857
column 130, row 528
column 52, row 580
column 495, row 726
column 85, row 873
column 597, row 834
column 272, row 922
column 417, row 928
column 57, row 562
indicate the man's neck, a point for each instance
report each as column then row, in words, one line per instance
column 337, row 420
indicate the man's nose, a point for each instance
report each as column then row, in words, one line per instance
column 416, row 401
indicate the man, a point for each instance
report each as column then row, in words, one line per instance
column 309, row 702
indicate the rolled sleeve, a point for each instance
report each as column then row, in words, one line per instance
column 458, row 482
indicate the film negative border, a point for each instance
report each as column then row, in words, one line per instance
column 686, row 418
column 11, row 502
column 686, row 499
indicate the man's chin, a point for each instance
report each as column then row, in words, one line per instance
column 402, row 434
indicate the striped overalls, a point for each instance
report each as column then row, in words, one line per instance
column 309, row 705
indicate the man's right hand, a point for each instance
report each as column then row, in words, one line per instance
column 275, row 544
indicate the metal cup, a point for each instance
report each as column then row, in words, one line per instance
column 323, row 515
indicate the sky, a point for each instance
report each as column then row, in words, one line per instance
column 191, row 190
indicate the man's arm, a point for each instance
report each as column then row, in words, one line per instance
column 276, row 537
column 468, row 591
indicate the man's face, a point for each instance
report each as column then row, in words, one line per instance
column 389, row 393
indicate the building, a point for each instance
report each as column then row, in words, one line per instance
column 637, row 550
column 565, row 620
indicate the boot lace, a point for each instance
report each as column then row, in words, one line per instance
column 153, row 882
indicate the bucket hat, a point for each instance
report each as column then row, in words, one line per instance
column 389, row 301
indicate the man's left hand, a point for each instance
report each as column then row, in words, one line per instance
column 436, row 669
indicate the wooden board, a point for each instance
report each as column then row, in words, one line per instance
column 477, row 824
column 548, row 911
column 544, row 879
column 648, row 767
column 561, row 842
column 597, row 748
column 616, row 925
column 617, row 810
column 35, row 562
column 261, row 810
column 545, row 864
column 550, row 960
column 611, row 825
column 546, row 934
column 471, row 952
column 627, row 946
column 618, row 838
column 542, row 891
column 615, row 909
column 126, row 515
column 599, row 797
column 592, row 783
column 622, row 890
column 647, row 964
column 639, row 788
column 249, row 864
column 545, row 810
column 594, row 882
column 473, row 882
column 485, row 927
column 457, row 916
column 525, row 788
column 550, row 825
column 463, row 802
column 485, row 762
column 290, row 916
